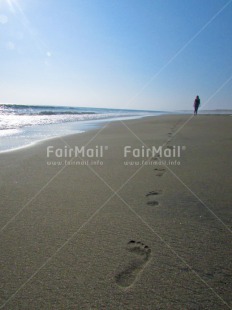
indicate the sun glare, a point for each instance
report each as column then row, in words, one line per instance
column 12, row 4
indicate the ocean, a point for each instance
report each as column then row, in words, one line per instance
column 23, row 125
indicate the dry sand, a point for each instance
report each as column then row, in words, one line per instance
column 116, row 236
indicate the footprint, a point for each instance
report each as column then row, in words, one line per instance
column 140, row 254
column 153, row 203
column 150, row 195
column 155, row 158
column 159, row 169
column 160, row 172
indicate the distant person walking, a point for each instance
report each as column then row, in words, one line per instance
column 196, row 105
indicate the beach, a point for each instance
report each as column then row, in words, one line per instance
column 109, row 227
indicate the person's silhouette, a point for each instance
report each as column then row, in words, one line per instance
column 196, row 105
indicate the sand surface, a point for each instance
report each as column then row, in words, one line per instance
column 112, row 235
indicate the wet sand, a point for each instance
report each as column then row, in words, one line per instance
column 120, row 233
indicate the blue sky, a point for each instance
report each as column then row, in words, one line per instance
column 138, row 54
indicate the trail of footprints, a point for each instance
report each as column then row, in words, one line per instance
column 139, row 252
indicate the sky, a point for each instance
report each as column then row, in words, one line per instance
column 132, row 54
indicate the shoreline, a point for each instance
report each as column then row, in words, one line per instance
column 71, row 128
column 111, row 235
